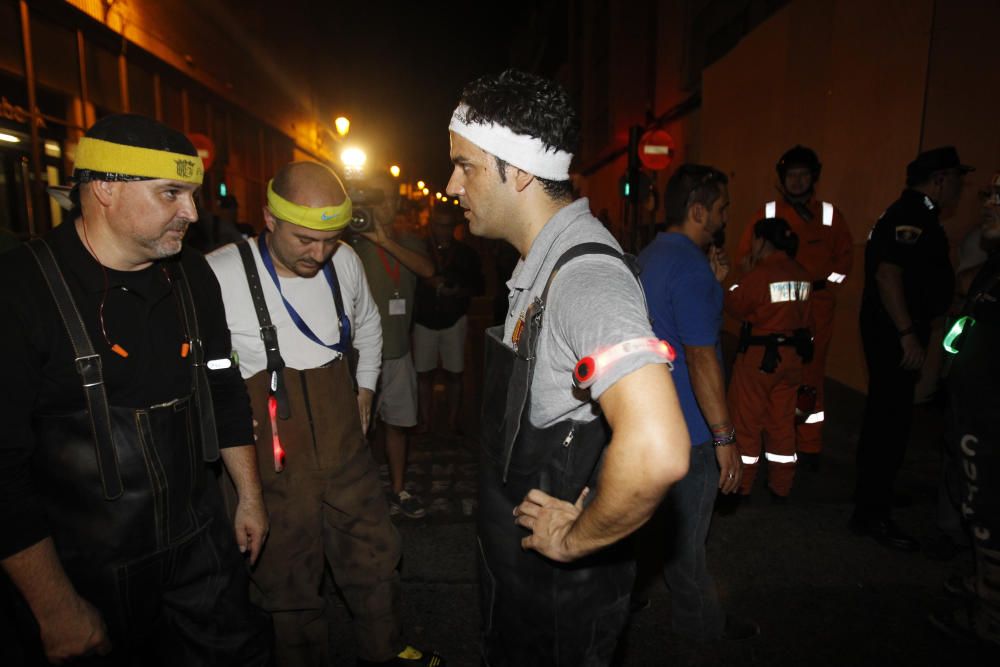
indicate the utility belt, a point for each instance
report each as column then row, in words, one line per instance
column 800, row 339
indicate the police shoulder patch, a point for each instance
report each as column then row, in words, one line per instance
column 908, row 234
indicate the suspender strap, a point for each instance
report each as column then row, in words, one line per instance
column 524, row 362
column 199, row 379
column 88, row 365
column 268, row 333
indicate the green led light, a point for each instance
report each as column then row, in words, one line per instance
column 956, row 330
column 627, row 188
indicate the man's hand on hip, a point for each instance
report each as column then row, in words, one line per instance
column 549, row 520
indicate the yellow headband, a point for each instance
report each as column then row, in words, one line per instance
column 108, row 157
column 324, row 219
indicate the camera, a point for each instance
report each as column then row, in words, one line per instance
column 364, row 197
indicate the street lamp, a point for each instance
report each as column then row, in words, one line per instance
column 426, row 191
column 437, row 195
column 343, row 125
column 394, row 170
column 420, row 185
column 353, row 160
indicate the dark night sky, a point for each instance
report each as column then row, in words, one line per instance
column 398, row 70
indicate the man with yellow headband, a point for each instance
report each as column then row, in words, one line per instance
column 119, row 393
column 298, row 305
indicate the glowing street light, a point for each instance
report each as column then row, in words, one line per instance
column 437, row 195
column 353, row 160
column 426, row 191
column 420, row 185
column 343, row 125
column 394, row 170
column 455, row 202
column 9, row 138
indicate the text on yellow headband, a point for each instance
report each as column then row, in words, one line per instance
column 108, row 157
column 323, row 219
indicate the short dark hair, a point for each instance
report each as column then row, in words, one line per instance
column 526, row 104
column 778, row 233
column 691, row 184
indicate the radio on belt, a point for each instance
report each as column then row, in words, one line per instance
column 593, row 366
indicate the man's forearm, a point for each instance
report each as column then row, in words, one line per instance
column 241, row 463
column 414, row 261
column 889, row 279
column 39, row 575
column 708, row 383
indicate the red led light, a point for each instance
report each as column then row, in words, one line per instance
column 279, row 452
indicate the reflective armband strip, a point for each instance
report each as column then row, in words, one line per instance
column 815, row 417
column 749, row 460
column 836, row 277
column 827, row 214
column 219, row 364
column 770, row 208
column 593, row 366
column 733, row 287
column 781, row 458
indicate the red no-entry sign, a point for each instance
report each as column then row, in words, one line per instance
column 656, row 150
column 205, row 147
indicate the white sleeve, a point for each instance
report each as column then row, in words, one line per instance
column 365, row 320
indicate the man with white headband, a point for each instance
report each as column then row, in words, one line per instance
column 565, row 472
column 118, row 394
column 298, row 305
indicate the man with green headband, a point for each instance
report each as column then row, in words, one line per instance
column 119, row 394
column 298, row 305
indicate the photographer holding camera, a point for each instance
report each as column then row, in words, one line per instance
column 393, row 260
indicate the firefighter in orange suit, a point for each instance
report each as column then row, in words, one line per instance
column 825, row 251
column 773, row 302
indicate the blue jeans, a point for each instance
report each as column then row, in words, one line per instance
column 695, row 609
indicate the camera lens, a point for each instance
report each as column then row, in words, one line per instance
column 361, row 220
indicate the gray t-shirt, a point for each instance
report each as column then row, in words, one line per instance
column 594, row 303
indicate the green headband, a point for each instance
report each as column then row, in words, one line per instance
column 323, row 219
column 108, row 157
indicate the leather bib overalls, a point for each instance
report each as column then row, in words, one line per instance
column 536, row 611
column 136, row 515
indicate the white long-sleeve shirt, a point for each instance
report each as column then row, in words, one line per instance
column 313, row 300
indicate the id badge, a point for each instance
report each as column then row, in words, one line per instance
column 397, row 306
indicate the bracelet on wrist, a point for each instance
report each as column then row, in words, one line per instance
column 723, row 439
column 905, row 332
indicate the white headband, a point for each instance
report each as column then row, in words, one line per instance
column 520, row 150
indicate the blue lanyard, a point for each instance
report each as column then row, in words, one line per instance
column 344, row 322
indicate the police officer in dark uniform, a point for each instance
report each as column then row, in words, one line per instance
column 909, row 282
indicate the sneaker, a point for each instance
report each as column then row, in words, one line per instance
column 409, row 656
column 407, row 505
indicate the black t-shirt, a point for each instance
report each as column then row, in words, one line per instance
column 459, row 265
column 909, row 235
column 142, row 315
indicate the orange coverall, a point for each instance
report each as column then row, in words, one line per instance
column 774, row 298
column 826, row 253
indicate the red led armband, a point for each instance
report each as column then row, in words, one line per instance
column 592, row 367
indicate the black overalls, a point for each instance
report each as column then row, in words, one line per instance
column 536, row 611
column 136, row 515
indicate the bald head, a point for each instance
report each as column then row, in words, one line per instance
column 309, row 184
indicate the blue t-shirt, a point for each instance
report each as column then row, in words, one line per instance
column 685, row 303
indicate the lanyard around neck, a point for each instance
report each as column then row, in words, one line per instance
column 343, row 321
